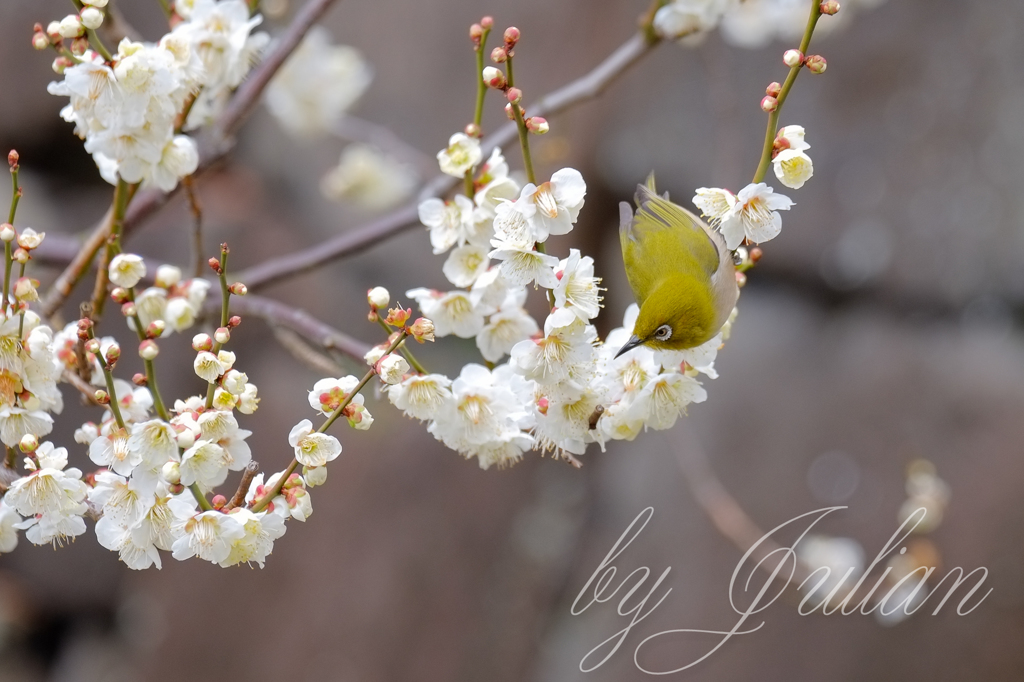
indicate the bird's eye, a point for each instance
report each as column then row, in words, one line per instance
column 663, row 333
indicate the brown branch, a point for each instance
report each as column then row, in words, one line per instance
column 580, row 90
column 88, row 392
column 249, row 473
column 355, row 129
column 305, row 353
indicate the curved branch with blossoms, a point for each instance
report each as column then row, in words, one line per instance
column 550, row 386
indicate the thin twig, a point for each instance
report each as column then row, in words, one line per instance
column 88, row 392
column 197, row 227
column 303, row 352
column 356, row 129
column 353, row 241
column 249, row 473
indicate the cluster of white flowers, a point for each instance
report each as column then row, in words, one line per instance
column 559, row 388
column 127, row 110
column 753, row 213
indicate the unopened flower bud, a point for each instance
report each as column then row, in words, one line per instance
column 493, row 77
column 314, row 476
column 511, row 36
column 816, row 63
column 185, row 439
column 542, row 405
column 70, row 26
column 21, row 256
column 793, row 58
column 79, row 45
column 473, row 130
column 510, row 112
column 769, row 104
column 12, row 159
column 92, row 346
column 398, row 317
column 113, row 353
column 119, row 294
column 101, row 396
column 139, row 379
column 774, row 89
column 167, row 276
column 378, row 298
column 40, row 41
column 741, row 280
column 498, row 55
column 148, row 350
column 28, row 443
column 238, row 289
column 487, row 22
column 156, row 329
column 514, row 95
column 25, row 289
column 422, row 330
column 222, row 335
column 755, row 254
column 92, row 18
column 201, row 342
column 537, row 125
column 476, row 33
column 214, row 265
column 61, row 63
column 171, row 472
column 53, row 32
column 234, row 321
column 218, row 501
column 128, row 309
column 830, row 7
column 7, row 232
column 374, row 355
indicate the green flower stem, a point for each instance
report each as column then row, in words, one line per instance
column 773, row 117
column 8, row 251
column 21, row 322
column 95, row 41
column 225, row 298
column 122, row 195
column 204, row 503
column 524, row 134
column 16, row 196
column 276, row 490
column 108, row 376
column 404, row 349
column 481, row 91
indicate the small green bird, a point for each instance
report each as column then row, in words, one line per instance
column 680, row 270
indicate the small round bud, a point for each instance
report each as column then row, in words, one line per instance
column 498, row 55
column 222, row 335
column 214, row 265
column 113, row 353
column 793, row 58
column 12, row 158
column 238, row 289
column 511, row 36
column 155, row 329
column 234, row 321
column 91, row 17
column 473, row 130
column 167, row 276
column 185, row 439
column 537, row 125
column 741, row 280
column 755, row 254
column 510, row 112
column 176, row 488
column 28, row 443
column 422, row 330
column 378, row 298
column 101, row 396
column 816, row 63
column 148, row 350
column 218, row 501
column 128, row 309
column 53, row 32
column 92, row 346
column 202, row 342
column 476, row 33
column 40, row 41
column 119, row 294
column 769, row 104
column 21, row 256
column 514, row 95
column 493, row 78
column 79, row 45
column 487, row 22
column 774, row 89
column 139, row 379
column 61, row 63
column 70, row 26
column 830, row 7
column 7, row 232
column 171, row 472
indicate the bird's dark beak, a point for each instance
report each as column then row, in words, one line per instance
column 633, row 342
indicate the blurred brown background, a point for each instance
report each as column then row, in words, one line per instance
column 882, row 325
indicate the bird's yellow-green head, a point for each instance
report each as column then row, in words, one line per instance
column 678, row 314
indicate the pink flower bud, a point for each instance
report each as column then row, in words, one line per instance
column 92, row 346
column 128, row 309
column 830, row 7
column 476, row 34
column 214, row 265
column 222, row 335
column 113, row 353
column 218, row 501
column 511, row 36
column 398, row 317
column 773, row 89
column 422, row 330
column 510, row 112
column 498, row 55
column 741, row 279
column 61, row 63
column 21, row 256
column 238, row 289
column 793, row 58
column 234, row 321
column 139, row 379
column 542, row 405
column 816, row 63
column 101, row 396
column 473, row 130
column 493, row 78
column 40, row 41
column 79, row 45
column 148, row 350
column 202, row 342
column 53, row 32
column 769, row 104
column 487, row 22
column 155, row 329
column 537, row 125
column 119, row 294
column 514, row 95
column 28, row 443
column 12, row 158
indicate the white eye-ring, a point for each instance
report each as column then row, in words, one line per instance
column 663, row 333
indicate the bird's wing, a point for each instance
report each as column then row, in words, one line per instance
column 662, row 238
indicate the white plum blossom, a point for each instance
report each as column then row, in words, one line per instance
column 664, row 399
column 514, row 245
column 506, row 327
column 205, row 464
column 494, row 184
column 679, row 19
column 313, row 449
column 553, row 207
column 370, row 178
column 715, row 204
column 209, row 535
column 451, row 223
column 465, row 264
column 461, row 155
column 9, row 518
column 562, row 361
column 452, row 312
column 793, row 168
column 421, row 396
column 755, row 215
column 51, row 497
column 126, row 269
column 577, row 288
column 318, row 83
column 259, row 530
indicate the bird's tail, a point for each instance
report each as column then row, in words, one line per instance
column 646, row 192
